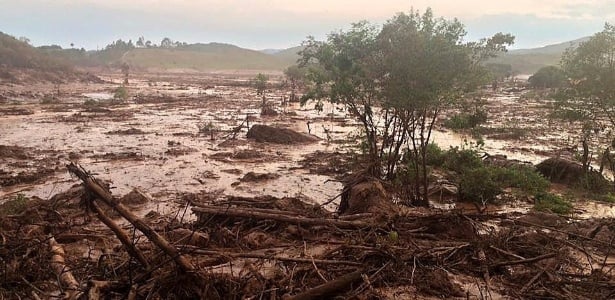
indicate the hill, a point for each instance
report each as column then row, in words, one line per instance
column 203, row 57
column 20, row 61
column 528, row 61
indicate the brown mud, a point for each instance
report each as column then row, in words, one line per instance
column 214, row 214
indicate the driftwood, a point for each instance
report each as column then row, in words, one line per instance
column 248, row 213
column 330, row 288
column 58, row 265
column 95, row 187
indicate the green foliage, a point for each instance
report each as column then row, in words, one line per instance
column 548, row 77
column 14, row 206
column 461, row 160
column 479, row 185
column 414, row 67
column 466, row 120
column 594, row 183
column 524, row 178
column 260, row 83
column 552, row 203
column 120, row 94
column 435, row 155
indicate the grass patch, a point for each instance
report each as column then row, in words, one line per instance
column 552, row 203
column 14, row 206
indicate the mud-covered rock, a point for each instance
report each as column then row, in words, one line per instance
column 269, row 134
column 366, row 196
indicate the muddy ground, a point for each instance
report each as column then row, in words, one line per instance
column 180, row 145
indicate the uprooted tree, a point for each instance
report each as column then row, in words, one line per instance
column 396, row 81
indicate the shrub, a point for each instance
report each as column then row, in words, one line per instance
column 552, row 203
column 523, row 178
column 207, row 128
column 462, row 159
column 478, row 185
column 120, row 94
column 435, row 155
column 14, row 206
column 466, row 120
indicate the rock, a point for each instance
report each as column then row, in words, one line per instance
column 366, row 197
column 135, row 198
column 264, row 133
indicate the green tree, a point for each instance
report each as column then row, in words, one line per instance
column 396, row 81
column 295, row 75
column 260, row 83
column 548, row 77
column 589, row 98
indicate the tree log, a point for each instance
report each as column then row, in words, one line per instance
column 330, row 288
column 95, row 187
column 121, row 235
column 195, row 250
column 58, row 265
column 247, row 213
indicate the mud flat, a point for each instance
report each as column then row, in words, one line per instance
column 167, row 196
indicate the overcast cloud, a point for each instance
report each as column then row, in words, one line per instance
column 259, row 24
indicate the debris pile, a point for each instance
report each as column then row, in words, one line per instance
column 272, row 248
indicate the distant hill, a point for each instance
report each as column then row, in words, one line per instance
column 21, row 62
column 203, row 57
column 290, row 55
column 528, row 61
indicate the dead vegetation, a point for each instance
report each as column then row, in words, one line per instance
column 285, row 248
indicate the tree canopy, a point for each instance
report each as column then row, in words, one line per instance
column 396, row 80
column 548, row 77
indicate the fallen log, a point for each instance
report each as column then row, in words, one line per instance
column 523, row 261
column 330, row 288
column 258, row 215
column 95, row 187
column 195, row 250
column 58, row 265
column 121, row 235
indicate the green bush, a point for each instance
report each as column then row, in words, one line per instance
column 552, row 203
column 466, row 120
column 594, row 183
column 435, row 155
column 523, row 178
column 478, row 185
column 120, row 94
column 14, row 206
column 462, row 159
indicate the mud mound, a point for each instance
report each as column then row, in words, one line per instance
column 14, row 152
column 130, row 131
column 366, row 196
column 568, row 172
column 269, row 134
column 258, row 177
column 560, row 170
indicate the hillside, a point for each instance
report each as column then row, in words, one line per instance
column 528, row 61
column 20, row 63
column 203, row 57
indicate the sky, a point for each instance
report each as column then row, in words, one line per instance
column 278, row 24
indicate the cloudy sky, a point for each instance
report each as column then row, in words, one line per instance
column 259, row 24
